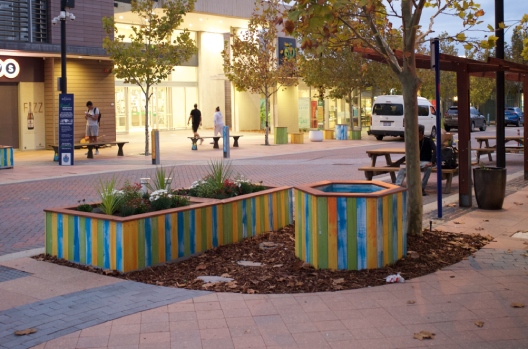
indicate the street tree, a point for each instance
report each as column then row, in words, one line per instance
column 150, row 52
column 251, row 60
column 370, row 23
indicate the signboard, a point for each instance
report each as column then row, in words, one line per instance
column 303, row 108
column 9, row 68
column 66, row 129
column 287, row 47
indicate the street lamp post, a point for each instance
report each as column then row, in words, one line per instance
column 62, row 17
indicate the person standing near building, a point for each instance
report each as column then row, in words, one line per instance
column 218, row 122
column 196, row 117
column 92, row 125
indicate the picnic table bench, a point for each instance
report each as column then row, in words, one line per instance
column 90, row 147
column 194, row 141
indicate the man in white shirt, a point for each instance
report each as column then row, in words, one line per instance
column 92, row 127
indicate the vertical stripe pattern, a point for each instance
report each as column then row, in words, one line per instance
column 135, row 244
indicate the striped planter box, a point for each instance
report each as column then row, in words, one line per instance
column 135, row 242
column 6, row 157
column 350, row 231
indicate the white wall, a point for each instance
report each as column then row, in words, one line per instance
column 246, row 111
column 210, row 76
column 288, row 109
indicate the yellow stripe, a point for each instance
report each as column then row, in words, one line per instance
column 130, row 246
column 235, row 225
column 198, row 217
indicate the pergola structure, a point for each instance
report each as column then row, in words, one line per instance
column 465, row 68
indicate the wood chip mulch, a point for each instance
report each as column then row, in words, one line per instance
column 282, row 272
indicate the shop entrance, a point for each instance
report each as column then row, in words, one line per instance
column 9, row 117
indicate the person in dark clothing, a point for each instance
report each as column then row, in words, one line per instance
column 196, row 117
column 427, row 159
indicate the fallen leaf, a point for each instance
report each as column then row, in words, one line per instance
column 424, row 335
column 509, row 251
column 452, row 276
column 201, row 267
column 456, row 222
column 26, row 331
column 298, row 265
column 518, row 203
column 524, row 254
column 517, row 305
column 251, row 291
column 339, row 281
column 479, row 228
column 452, row 205
column 411, row 302
column 486, row 220
column 479, row 323
column 277, row 266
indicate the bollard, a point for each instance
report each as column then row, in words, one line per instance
column 144, row 184
column 225, row 135
column 168, row 181
column 155, row 147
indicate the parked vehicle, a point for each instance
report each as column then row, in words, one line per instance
column 451, row 119
column 513, row 116
column 387, row 117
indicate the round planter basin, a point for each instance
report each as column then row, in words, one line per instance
column 350, row 225
column 315, row 135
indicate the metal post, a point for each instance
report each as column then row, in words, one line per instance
column 435, row 53
column 499, row 53
column 63, row 48
column 225, row 137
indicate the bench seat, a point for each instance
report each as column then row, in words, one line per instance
column 194, row 141
column 90, row 147
column 374, row 171
column 447, row 174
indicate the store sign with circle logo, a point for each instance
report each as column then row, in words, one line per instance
column 9, row 68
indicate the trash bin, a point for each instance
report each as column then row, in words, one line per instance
column 341, row 132
column 281, row 135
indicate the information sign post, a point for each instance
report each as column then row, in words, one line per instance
column 66, row 129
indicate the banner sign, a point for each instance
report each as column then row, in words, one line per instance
column 9, row 68
column 66, row 129
column 287, row 47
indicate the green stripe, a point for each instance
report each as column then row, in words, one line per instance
column 141, row 243
column 228, row 223
column 298, row 223
column 49, row 234
column 322, row 230
column 250, row 218
column 352, row 233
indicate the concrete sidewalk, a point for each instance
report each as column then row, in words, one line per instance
column 70, row 308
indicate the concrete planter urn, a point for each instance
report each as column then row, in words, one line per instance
column 315, row 135
column 139, row 241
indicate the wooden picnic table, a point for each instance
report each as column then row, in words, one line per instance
column 390, row 166
column 485, row 148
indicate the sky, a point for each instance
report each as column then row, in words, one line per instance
column 513, row 12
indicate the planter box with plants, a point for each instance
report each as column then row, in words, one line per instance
column 130, row 230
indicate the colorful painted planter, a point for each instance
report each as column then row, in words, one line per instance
column 136, row 242
column 6, row 157
column 350, row 225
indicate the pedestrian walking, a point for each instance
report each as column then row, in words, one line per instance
column 196, row 117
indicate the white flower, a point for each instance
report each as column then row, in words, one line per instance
column 158, row 194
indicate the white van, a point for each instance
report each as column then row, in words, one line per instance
column 387, row 117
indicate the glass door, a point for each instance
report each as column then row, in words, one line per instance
column 121, row 110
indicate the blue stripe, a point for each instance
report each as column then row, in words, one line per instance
column 88, row 229
column 106, row 239
column 11, row 159
column 192, row 227
column 181, row 227
column 168, row 237
column 342, row 236
column 361, row 204
column 244, row 219
column 215, row 225
column 270, row 210
column 308, row 242
column 119, row 246
column 76, row 240
column 59, row 236
column 148, row 242
column 254, row 216
column 379, row 235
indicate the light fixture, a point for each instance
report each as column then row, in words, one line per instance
column 120, row 17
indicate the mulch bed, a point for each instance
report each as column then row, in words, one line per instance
column 282, row 272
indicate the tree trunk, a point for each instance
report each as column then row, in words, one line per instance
column 266, row 132
column 147, row 121
column 412, row 153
